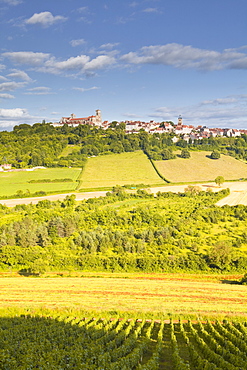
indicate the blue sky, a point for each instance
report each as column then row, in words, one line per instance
column 134, row 60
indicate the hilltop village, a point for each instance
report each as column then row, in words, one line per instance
column 186, row 132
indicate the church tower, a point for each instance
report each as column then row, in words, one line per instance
column 98, row 117
column 180, row 120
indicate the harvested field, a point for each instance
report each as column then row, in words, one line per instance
column 165, row 295
column 199, row 167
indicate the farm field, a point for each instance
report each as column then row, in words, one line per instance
column 56, row 340
column 201, row 168
column 11, row 182
column 169, row 294
column 119, row 169
column 123, row 321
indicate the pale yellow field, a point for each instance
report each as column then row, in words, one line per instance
column 151, row 294
column 119, row 169
column 201, row 168
column 238, row 194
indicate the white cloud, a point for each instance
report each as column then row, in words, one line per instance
column 16, row 116
column 6, row 96
column 19, row 74
column 71, row 64
column 109, row 45
column 77, row 42
column 12, row 2
column 45, row 19
column 180, row 56
column 13, row 113
column 10, row 86
column 222, row 112
column 100, row 62
column 83, row 9
column 46, row 63
column 27, row 57
column 2, row 67
column 40, row 90
column 82, row 89
column 3, row 78
column 221, row 101
column 150, row 10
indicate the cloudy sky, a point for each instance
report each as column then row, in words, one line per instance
column 134, row 60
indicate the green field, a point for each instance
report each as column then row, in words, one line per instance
column 11, row 182
column 199, row 167
column 119, row 169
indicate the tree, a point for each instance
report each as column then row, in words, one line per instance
column 215, row 154
column 219, row 180
column 167, row 154
column 38, row 267
column 192, row 190
column 221, row 254
column 185, row 153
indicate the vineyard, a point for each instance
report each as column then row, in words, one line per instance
column 61, row 341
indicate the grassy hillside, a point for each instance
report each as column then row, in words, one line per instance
column 11, row 182
column 199, row 167
column 119, row 169
column 69, row 149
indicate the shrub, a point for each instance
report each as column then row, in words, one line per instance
column 185, row 153
column 215, row 154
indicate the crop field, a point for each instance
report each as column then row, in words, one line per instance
column 123, row 322
column 60, row 341
column 11, row 182
column 119, row 169
column 199, row 167
column 152, row 293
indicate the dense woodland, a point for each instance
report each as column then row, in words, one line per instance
column 42, row 144
column 125, row 232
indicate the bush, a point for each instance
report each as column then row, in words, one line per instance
column 215, row 154
column 185, row 153
column 244, row 280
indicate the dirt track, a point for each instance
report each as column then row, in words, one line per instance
column 238, row 191
column 35, row 200
column 238, row 194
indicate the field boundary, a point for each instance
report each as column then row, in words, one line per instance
column 156, row 169
column 79, row 181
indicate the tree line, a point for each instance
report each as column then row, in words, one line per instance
column 42, row 144
column 164, row 233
